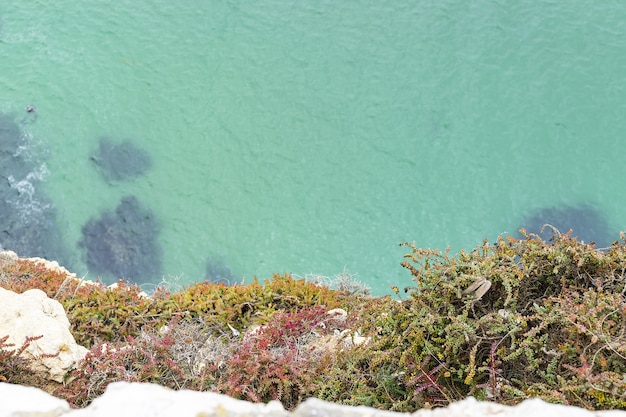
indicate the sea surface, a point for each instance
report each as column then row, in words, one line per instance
column 225, row 139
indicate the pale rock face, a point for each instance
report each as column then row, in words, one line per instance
column 149, row 400
column 469, row 407
column 54, row 266
column 115, row 286
column 31, row 314
column 314, row 407
column 8, row 257
column 19, row 401
column 143, row 400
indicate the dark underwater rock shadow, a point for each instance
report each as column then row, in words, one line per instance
column 13, row 161
column 585, row 221
column 28, row 220
column 124, row 243
column 10, row 135
column 121, row 161
column 218, row 272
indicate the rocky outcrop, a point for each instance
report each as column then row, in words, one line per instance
column 33, row 314
column 20, row 401
column 139, row 400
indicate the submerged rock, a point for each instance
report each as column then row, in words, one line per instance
column 27, row 217
column 28, row 220
column 123, row 243
column 586, row 222
column 12, row 144
column 10, row 135
column 218, row 272
column 118, row 162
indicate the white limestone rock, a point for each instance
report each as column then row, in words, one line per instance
column 150, row 400
column 470, row 407
column 141, row 294
column 31, row 314
column 8, row 258
column 314, row 407
column 54, row 267
column 138, row 400
column 141, row 399
column 20, row 401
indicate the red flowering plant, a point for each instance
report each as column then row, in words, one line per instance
column 182, row 355
column 14, row 368
column 280, row 360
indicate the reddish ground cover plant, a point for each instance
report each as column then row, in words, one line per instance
column 280, row 361
column 277, row 361
column 13, row 367
column 181, row 355
column 26, row 274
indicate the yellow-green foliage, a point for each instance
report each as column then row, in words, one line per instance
column 101, row 314
column 243, row 305
column 95, row 312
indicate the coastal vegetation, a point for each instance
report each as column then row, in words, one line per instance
column 508, row 320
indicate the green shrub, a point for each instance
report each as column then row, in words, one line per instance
column 504, row 322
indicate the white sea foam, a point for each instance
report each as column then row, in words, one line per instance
column 29, row 205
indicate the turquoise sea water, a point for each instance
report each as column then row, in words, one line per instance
column 313, row 137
